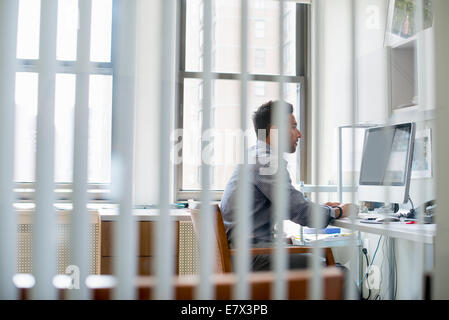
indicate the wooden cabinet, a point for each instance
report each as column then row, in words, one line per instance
column 145, row 252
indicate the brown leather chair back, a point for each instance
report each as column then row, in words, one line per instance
column 223, row 256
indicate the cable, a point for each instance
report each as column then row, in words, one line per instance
column 410, row 199
column 378, row 297
column 365, row 252
column 412, row 213
column 374, row 257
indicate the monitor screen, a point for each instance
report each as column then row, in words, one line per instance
column 385, row 156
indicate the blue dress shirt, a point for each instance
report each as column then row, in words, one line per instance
column 300, row 209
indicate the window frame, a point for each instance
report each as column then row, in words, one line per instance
column 97, row 192
column 301, row 77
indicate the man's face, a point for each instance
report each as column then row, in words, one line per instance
column 295, row 134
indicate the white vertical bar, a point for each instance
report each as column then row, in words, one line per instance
column 441, row 52
column 80, row 217
column 164, row 232
column 420, row 72
column 243, row 202
column 315, row 291
column 351, row 279
column 124, row 42
column 388, row 242
column 8, row 41
column 44, row 222
column 207, row 217
column 340, row 165
column 280, row 205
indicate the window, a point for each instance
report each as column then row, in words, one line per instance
column 260, row 29
column 259, row 89
column 259, row 58
column 259, row 4
column 100, row 91
column 201, row 37
column 263, row 66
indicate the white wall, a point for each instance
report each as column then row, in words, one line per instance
column 372, row 75
column 333, row 86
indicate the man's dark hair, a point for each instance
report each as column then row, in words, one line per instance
column 262, row 118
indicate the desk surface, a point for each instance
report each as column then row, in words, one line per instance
column 111, row 214
column 415, row 232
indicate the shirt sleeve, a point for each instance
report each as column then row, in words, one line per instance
column 300, row 209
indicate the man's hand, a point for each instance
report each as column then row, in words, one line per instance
column 347, row 208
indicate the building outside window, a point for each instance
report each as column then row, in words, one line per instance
column 260, row 29
column 259, row 89
column 259, row 58
column 100, row 92
column 225, row 85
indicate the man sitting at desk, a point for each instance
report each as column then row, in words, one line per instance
column 300, row 209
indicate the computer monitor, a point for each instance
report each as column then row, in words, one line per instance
column 386, row 164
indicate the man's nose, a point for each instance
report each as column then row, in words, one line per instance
column 299, row 134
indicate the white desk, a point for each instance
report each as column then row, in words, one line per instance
column 424, row 233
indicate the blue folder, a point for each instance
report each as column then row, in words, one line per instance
column 331, row 230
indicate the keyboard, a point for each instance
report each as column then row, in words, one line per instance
column 373, row 215
column 379, row 217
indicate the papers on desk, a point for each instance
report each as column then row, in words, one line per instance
column 330, row 234
column 323, row 237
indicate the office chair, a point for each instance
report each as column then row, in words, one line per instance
column 224, row 253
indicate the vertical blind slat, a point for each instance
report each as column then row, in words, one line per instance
column 388, row 241
column 164, row 232
column 315, row 291
column 243, row 202
column 8, row 42
column 441, row 52
column 420, row 71
column 354, row 263
column 80, row 217
column 281, row 196
column 124, row 42
column 207, row 254
column 44, row 221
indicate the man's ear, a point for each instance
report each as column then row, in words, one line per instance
column 273, row 135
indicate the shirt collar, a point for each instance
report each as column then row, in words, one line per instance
column 263, row 147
